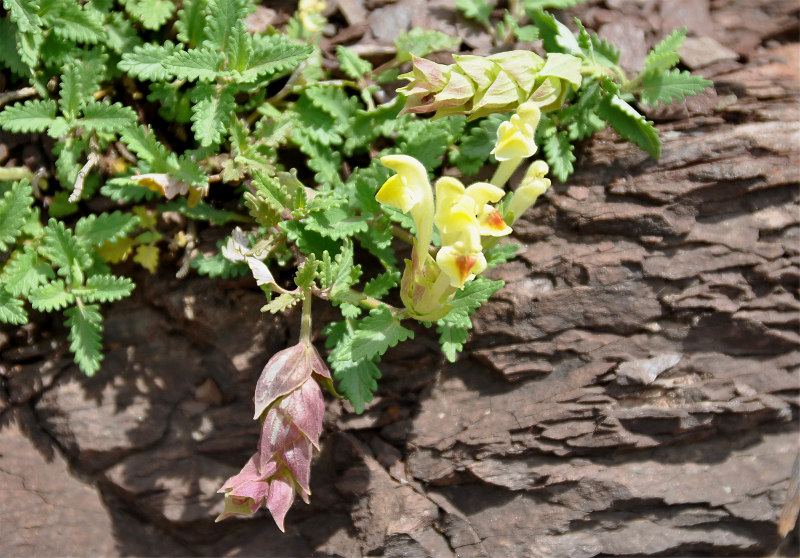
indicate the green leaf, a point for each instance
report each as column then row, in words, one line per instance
column 476, row 146
column 85, row 329
column 96, row 230
column 306, row 272
column 24, row 272
column 105, row 288
column 372, row 337
column 29, row 45
column 357, row 382
column 51, row 296
column 30, row 116
column 63, row 249
column 422, row 42
column 219, row 266
column 380, row 285
column 196, row 64
column 152, row 13
column 452, row 338
column 479, row 10
column 9, row 56
column 500, row 254
column 558, row 150
column 25, row 13
column 203, row 212
column 12, row 310
column 556, row 36
column 211, row 114
column 273, row 55
column 143, row 143
column 629, row 123
column 336, row 223
column 76, row 23
column 670, row 85
column 121, row 36
column 239, row 48
column 223, row 16
column 474, row 294
column 76, row 89
column 104, row 117
column 146, row 61
column 664, row 55
column 14, row 212
column 343, row 273
column 281, row 303
column 191, row 24
column 351, row 63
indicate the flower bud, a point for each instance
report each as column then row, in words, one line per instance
column 533, row 185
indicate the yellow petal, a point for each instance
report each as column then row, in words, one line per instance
column 412, row 192
column 395, row 192
column 459, row 265
column 491, row 222
column 484, row 192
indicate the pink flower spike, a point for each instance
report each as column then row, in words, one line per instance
column 247, row 490
column 305, row 406
column 281, row 496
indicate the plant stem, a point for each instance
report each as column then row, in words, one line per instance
column 504, row 171
column 14, row 173
column 9, row 96
column 305, row 320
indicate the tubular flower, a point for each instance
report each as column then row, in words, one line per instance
column 478, row 86
column 533, row 185
column 289, row 401
column 515, row 138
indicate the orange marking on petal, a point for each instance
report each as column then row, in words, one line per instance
column 465, row 263
column 495, row 221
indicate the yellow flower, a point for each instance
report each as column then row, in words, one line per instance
column 515, row 138
column 410, row 192
column 489, row 218
column 533, row 185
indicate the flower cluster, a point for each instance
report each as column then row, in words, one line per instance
column 289, row 402
column 478, row 86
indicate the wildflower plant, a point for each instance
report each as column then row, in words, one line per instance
column 186, row 112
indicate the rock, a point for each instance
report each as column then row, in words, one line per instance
column 645, row 371
column 700, row 52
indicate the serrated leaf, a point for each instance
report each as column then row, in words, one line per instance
column 219, row 266
column 223, row 15
column 14, row 211
column 306, row 273
column 500, row 254
column 381, row 284
column 73, row 95
column 196, row 64
column 51, row 296
column 121, row 36
column 146, row 61
column 85, row 329
column 669, row 85
column 476, row 146
column 479, row 10
column 147, row 257
column 558, row 150
column 629, row 123
column 372, row 337
column 105, row 288
column 336, row 223
column 28, row 46
column 556, row 36
column 351, row 63
column 76, row 23
column 191, row 24
column 97, row 230
column 343, row 273
column 104, row 117
column 273, row 55
column 63, row 249
column 452, row 338
column 152, row 13
column 24, row 272
column 664, row 55
column 280, row 303
column 143, row 143
column 12, row 310
column 9, row 56
column 25, row 13
column 211, row 114
column 357, row 382
column 30, row 116
column 550, row 4
column 475, row 293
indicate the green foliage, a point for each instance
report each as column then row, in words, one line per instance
column 357, row 381
column 479, row 10
column 422, row 42
column 85, row 330
column 14, row 212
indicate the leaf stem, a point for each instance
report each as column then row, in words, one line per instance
column 305, row 320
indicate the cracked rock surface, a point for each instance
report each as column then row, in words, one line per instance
column 632, row 390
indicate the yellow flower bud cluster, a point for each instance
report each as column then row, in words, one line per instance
column 478, row 86
column 462, row 215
